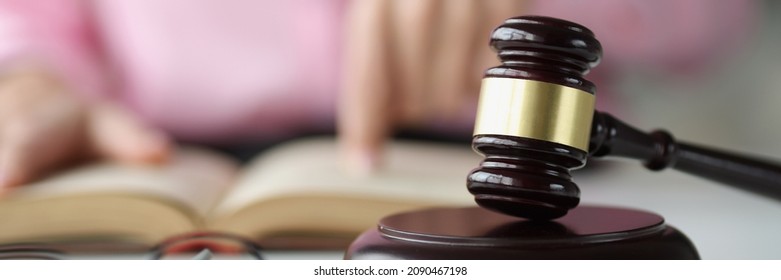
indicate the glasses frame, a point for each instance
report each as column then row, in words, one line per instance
column 197, row 242
column 160, row 250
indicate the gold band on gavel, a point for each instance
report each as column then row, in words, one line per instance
column 536, row 110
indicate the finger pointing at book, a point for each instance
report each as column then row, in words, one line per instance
column 411, row 65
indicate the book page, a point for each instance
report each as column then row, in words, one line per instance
column 193, row 179
column 412, row 172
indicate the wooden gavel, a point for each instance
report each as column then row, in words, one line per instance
column 536, row 122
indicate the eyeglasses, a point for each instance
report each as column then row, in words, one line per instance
column 198, row 246
column 206, row 245
column 29, row 252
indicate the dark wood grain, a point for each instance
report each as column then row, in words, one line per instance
column 658, row 150
column 526, row 177
column 587, row 232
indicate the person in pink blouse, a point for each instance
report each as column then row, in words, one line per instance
column 125, row 79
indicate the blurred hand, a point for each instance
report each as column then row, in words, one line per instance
column 43, row 127
column 409, row 61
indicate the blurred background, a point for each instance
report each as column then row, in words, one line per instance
column 245, row 74
column 733, row 103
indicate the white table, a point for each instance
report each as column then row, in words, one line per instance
column 723, row 222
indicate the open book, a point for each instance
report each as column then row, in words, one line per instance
column 297, row 190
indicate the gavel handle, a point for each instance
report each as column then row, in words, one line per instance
column 658, row 150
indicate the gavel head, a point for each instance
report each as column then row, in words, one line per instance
column 534, row 117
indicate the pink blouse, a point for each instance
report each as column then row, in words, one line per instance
column 213, row 71
column 200, row 69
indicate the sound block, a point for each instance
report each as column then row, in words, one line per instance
column 586, row 232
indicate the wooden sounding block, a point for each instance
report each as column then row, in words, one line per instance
column 476, row 233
